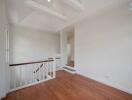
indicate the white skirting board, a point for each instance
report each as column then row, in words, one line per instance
column 25, row 86
column 111, row 84
column 72, row 72
column 60, row 68
column 71, row 67
column 2, row 96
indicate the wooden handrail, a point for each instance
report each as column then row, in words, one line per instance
column 27, row 63
column 55, row 58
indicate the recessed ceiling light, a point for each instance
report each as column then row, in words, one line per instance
column 49, row 0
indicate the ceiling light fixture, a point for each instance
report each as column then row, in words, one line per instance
column 49, row 0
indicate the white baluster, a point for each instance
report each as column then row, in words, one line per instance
column 25, row 74
column 46, row 69
column 12, row 78
column 43, row 71
column 40, row 69
column 50, row 71
column 54, row 68
column 36, row 72
column 20, row 69
column 14, row 71
column 39, row 72
column 32, row 73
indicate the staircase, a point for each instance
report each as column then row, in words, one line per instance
column 23, row 75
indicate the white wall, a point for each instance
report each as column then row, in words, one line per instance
column 4, row 69
column 103, row 48
column 63, row 48
column 30, row 45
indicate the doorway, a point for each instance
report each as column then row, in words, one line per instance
column 70, row 50
column 67, row 50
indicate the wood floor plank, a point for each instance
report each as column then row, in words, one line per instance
column 69, row 87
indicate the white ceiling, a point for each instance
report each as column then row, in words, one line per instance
column 57, row 14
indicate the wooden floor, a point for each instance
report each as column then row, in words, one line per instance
column 69, row 87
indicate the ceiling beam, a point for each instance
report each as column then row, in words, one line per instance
column 45, row 9
column 131, row 7
column 75, row 4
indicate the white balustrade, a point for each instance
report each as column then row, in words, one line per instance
column 28, row 74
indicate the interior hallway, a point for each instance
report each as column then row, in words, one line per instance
column 69, row 87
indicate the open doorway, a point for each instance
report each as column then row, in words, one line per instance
column 67, row 50
column 70, row 50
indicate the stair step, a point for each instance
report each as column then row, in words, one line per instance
column 69, row 69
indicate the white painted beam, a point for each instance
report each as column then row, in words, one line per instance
column 75, row 4
column 131, row 7
column 42, row 8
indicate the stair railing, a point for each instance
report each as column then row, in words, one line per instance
column 27, row 74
